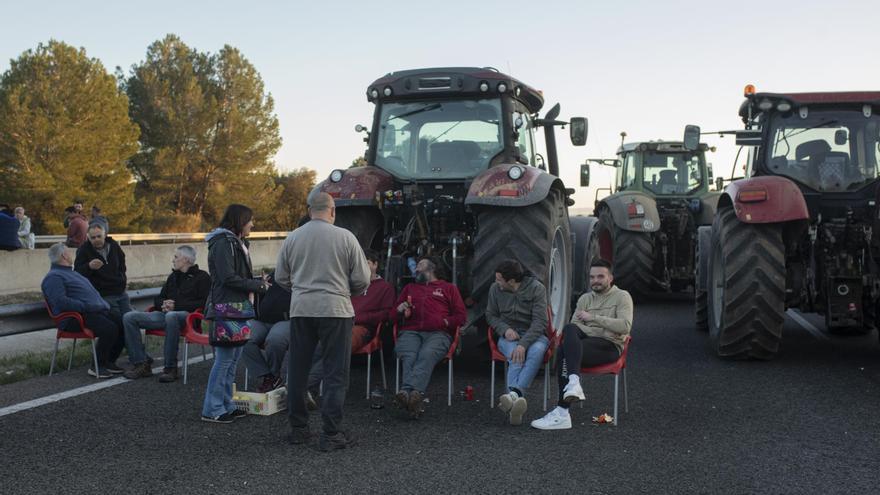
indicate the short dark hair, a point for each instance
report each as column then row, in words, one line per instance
column 69, row 209
column 510, row 270
column 436, row 266
column 372, row 255
column 236, row 217
column 600, row 263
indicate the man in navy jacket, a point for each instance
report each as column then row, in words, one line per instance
column 67, row 290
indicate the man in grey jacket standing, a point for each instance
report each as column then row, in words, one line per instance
column 517, row 311
column 323, row 265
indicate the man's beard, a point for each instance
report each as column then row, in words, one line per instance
column 600, row 289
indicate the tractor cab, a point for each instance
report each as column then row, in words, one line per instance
column 662, row 168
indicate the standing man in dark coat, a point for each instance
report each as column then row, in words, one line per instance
column 324, row 265
column 102, row 261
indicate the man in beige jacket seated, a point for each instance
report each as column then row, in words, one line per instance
column 598, row 329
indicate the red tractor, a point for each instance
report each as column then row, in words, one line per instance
column 801, row 230
column 453, row 172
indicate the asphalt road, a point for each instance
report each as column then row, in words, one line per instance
column 804, row 423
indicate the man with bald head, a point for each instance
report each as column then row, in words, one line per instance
column 323, row 266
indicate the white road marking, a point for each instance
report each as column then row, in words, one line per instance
column 49, row 399
column 800, row 320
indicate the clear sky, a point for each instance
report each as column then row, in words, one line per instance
column 645, row 67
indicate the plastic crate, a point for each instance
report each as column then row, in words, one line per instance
column 260, row 404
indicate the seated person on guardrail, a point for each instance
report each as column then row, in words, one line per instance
column 25, row 236
column 185, row 290
column 598, row 330
column 102, row 261
column 8, row 230
column 517, row 312
column 429, row 311
column 67, row 290
column 265, row 351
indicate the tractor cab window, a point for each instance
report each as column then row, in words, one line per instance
column 629, row 171
column 826, row 150
column 439, row 140
column 672, row 173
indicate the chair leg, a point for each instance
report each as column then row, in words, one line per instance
column 70, row 359
column 492, row 388
column 204, row 354
column 616, row 387
column 54, row 353
column 449, row 390
column 185, row 360
column 95, row 356
column 369, row 367
column 397, row 375
column 382, row 362
column 625, row 398
column 246, row 378
column 546, row 384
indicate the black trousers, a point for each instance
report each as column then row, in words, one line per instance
column 334, row 335
column 580, row 351
column 108, row 329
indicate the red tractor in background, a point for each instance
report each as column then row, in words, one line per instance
column 801, row 230
column 453, row 172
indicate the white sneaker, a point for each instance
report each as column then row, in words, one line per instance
column 516, row 412
column 557, row 419
column 505, row 402
column 573, row 392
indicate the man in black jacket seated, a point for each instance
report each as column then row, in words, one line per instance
column 185, row 291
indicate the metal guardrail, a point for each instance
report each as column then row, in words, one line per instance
column 30, row 317
column 47, row 240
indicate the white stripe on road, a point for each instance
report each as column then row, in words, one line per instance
column 800, row 320
column 49, row 399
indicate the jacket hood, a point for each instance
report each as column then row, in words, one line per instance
column 218, row 233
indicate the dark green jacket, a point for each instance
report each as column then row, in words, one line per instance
column 525, row 310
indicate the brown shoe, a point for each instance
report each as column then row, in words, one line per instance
column 416, row 405
column 402, row 400
column 140, row 370
column 168, row 375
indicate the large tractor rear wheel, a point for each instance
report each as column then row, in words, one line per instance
column 585, row 250
column 746, row 288
column 538, row 236
column 631, row 253
column 701, row 277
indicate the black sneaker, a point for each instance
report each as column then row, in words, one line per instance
column 300, row 436
column 341, row 440
column 238, row 413
column 225, row 418
column 114, row 369
column 101, row 373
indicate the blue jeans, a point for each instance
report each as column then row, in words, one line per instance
column 171, row 322
column 520, row 375
column 119, row 304
column 419, row 352
column 265, row 351
column 218, row 395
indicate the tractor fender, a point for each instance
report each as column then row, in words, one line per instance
column 360, row 186
column 783, row 201
column 618, row 204
column 707, row 212
column 494, row 187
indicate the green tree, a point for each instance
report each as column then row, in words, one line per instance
column 208, row 130
column 65, row 134
column 292, row 189
column 359, row 161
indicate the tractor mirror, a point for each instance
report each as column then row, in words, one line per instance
column 709, row 172
column 840, row 137
column 577, row 128
column 719, row 184
column 748, row 137
column 691, row 140
column 585, row 175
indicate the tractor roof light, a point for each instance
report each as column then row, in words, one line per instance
column 783, row 106
column 765, row 105
column 387, row 91
column 752, row 195
column 502, row 87
column 374, row 93
column 515, row 172
column 749, row 90
column 336, row 175
column 484, row 86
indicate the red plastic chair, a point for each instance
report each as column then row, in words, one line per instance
column 85, row 333
column 192, row 334
column 161, row 332
column 553, row 339
column 448, row 358
column 613, row 369
column 375, row 344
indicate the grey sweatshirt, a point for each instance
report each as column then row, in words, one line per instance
column 525, row 310
column 323, row 266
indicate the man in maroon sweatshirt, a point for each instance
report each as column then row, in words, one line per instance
column 371, row 306
column 428, row 311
